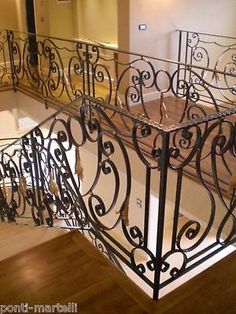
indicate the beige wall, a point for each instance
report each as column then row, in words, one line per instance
column 123, row 31
column 21, row 15
column 61, row 19
column 90, row 19
column 8, row 14
column 41, row 17
column 98, row 20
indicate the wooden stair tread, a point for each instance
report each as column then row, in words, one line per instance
column 15, row 238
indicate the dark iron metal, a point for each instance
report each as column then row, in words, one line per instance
column 5, row 62
column 40, row 157
column 39, row 173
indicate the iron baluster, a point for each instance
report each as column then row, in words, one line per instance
column 147, row 204
column 177, row 206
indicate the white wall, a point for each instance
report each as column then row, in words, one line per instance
column 163, row 17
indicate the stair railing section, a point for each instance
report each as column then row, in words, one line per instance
column 125, row 186
column 210, row 51
column 59, row 70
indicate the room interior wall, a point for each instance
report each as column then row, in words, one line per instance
column 21, row 15
column 8, row 15
column 164, row 17
column 98, row 20
column 8, row 114
column 60, row 17
column 41, row 9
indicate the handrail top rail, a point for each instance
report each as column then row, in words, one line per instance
column 138, row 118
column 207, row 34
column 94, row 102
column 116, row 50
column 198, row 121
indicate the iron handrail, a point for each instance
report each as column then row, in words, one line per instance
column 116, row 50
column 207, row 34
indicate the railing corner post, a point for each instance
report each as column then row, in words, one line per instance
column 164, row 163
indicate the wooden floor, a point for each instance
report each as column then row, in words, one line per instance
column 63, row 270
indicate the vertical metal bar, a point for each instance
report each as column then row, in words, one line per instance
column 161, row 212
column 186, row 55
column 87, row 69
column 4, row 205
column 191, row 62
column 176, row 211
column 186, row 48
column 180, row 46
column 116, row 69
column 93, row 81
column 83, row 78
column 11, row 60
column 179, row 58
column 38, row 200
column 147, row 205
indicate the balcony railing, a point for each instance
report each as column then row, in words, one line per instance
column 58, row 70
column 104, row 166
column 214, row 52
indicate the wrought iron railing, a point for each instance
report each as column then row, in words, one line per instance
column 58, row 70
column 110, row 137
column 214, row 52
column 86, row 167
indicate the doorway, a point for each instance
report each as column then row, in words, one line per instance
column 30, row 21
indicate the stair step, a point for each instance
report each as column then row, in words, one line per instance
column 16, row 238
